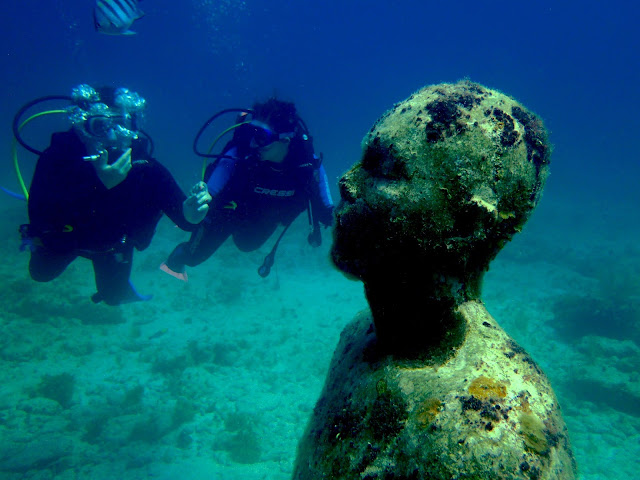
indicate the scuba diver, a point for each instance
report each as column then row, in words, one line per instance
column 266, row 175
column 98, row 193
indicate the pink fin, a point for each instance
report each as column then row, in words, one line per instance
column 180, row 276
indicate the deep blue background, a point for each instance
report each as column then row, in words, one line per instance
column 344, row 63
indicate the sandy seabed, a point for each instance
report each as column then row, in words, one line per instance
column 216, row 378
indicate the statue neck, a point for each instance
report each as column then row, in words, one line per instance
column 417, row 315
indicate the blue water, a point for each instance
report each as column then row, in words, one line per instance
column 246, row 358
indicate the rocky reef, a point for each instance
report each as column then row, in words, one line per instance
column 427, row 385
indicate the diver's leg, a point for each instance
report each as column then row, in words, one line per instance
column 203, row 243
column 112, row 273
column 45, row 265
column 251, row 236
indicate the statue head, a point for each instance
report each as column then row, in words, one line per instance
column 447, row 177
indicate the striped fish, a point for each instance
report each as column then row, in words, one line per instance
column 114, row 17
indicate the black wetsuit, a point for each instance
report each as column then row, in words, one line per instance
column 73, row 214
column 252, row 197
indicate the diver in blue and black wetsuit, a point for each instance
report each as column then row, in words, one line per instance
column 83, row 204
column 267, row 175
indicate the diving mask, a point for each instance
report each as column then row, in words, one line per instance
column 262, row 135
column 106, row 126
column 107, row 129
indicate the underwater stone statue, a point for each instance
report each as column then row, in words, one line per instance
column 427, row 385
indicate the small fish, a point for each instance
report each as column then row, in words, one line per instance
column 114, row 17
column 158, row 334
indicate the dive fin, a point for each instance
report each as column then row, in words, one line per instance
column 179, row 275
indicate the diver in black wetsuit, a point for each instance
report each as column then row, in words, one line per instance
column 82, row 204
column 267, row 175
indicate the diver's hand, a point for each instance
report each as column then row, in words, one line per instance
column 196, row 206
column 114, row 174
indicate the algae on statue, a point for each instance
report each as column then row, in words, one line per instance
column 427, row 385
